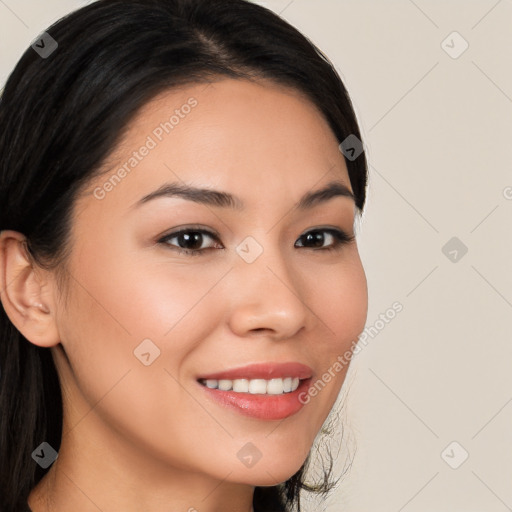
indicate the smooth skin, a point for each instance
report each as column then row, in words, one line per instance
column 139, row 437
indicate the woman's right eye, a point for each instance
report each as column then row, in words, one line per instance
column 189, row 241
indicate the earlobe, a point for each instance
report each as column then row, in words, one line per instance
column 25, row 294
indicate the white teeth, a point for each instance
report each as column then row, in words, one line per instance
column 241, row 385
column 225, row 385
column 255, row 386
column 275, row 387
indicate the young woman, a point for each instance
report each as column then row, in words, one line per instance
column 179, row 273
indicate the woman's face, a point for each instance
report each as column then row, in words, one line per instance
column 144, row 321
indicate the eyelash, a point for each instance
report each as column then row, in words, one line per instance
column 341, row 239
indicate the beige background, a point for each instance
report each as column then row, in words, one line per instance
column 438, row 133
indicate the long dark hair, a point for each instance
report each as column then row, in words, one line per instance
column 60, row 118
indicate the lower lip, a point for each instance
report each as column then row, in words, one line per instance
column 265, row 407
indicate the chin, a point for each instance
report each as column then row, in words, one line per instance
column 266, row 475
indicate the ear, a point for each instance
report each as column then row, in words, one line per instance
column 26, row 292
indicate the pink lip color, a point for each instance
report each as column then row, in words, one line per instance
column 262, row 406
column 265, row 407
column 263, row 371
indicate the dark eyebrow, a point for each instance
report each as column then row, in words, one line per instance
column 225, row 200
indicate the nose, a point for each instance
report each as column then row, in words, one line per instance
column 268, row 298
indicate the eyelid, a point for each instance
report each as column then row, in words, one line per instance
column 189, row 229
column 329, row 229
column 186, row 228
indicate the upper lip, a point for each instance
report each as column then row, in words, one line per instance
column 263, row 371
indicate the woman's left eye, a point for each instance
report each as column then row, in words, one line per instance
column 339, row 237
column 190, row 241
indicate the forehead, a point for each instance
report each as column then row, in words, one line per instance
column 253, row 138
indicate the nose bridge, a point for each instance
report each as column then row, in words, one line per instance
column 268, row 293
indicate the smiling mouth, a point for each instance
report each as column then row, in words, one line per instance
column 277, row 386
column 265, row 399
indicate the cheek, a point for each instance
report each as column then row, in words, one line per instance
column 164, row 301
column 339, row 297
column 114, row 305
column 136, row 294
column 119, row 305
